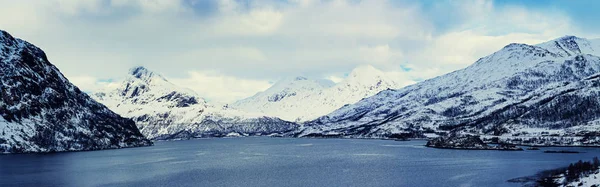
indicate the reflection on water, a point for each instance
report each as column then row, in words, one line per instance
column 280, row 162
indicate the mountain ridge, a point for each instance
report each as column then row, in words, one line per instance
column 164, row 110
column 306, row 99
column 434, row 106
column 43, row 112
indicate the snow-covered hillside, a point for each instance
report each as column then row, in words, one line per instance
column 521, row 90
column 590, row 180
column 302, row 99
column 163, row 110
column 43, row 112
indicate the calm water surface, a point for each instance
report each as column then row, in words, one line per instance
column 281, row 162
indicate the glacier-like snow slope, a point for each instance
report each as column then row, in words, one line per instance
column 163, row 110
column 43, row 112
column 301, row 99
column 521, row 90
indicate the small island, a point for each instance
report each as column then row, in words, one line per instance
column 562, row 151
column 468, row 142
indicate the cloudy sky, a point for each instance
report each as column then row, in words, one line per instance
column 230, row 49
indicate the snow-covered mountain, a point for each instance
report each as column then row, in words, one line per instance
column 522, row 90
column 43, row 112
column 163, row 110
column 302, row 99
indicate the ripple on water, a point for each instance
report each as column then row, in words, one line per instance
column 457, row 177
column 397, row 145
column 371, row 154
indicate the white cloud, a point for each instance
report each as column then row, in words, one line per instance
column 215, row 86
column 256, row 22
column 401, row 77
column 486, row 29
column 304, row 3
column 150, row 6
column 381, row 54
column 465, row 47
column 375, row 19
column 75, row 7
column 221, row 55
column 252, row 42
column 91, row 84
column 335, row 79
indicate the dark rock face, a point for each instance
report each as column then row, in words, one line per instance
column 43, row 112
column 456, row 141
column 182, row 100
column 466, row 141
column 280, row 96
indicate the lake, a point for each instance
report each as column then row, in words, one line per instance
column 262, row 161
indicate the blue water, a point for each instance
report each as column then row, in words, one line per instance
column 281, row 162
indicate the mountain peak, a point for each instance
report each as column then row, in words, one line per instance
column 570, row 45
column 142, row 86
column 143, row 73
column 365, row 73
column 294, row 79
column 369, row 79
column 299, row 78
column 4, row 34
column 571, row 42
column 301, row 99
column 569, row 38
column 140, row 71
column 514, row 45
column 6, row 39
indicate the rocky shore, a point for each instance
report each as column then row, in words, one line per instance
column 467, row 142
column 581, row 173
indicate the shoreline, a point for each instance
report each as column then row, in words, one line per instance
column 390, row 139
column 575, row 174
column 74, row 151
column 476, row 149
column 344, row 138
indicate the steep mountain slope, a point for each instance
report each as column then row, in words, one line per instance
column 521, row 89
column 43, row 112
column 301, row 99
column 163, row 110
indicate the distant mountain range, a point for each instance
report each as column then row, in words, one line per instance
column 163, row 110
column 43, row 112
column 301, row 99
column 545, row 94
column 522, row 91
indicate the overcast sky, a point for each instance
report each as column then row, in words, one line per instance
column 227, row 49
